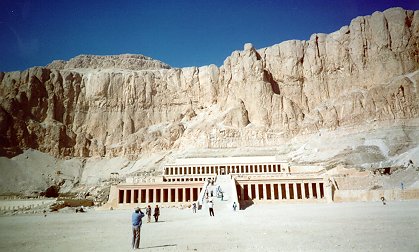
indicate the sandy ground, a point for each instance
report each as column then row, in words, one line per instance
column 358, row 226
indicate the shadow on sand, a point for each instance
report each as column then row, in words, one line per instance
column 161, row 246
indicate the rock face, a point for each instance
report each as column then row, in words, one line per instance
column 125, row 61
column 130, row 104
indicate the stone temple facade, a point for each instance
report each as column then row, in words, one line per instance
column 243, row 180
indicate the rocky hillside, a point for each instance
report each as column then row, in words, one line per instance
column 128, row 105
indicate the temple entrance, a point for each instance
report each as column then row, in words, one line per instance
column 222, row 170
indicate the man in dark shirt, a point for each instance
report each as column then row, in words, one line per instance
column 136, row 227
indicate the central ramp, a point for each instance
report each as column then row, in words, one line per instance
column 223, row 193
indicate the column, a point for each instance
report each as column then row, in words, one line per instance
column 257, row 191
column 176, row 195
column 272, row 192
column 191, row 194
column 279, row 191
column 265, row 193
column 249, row 191
column 161, row 195
column 294, row 185
column 318, row 191
column 310, row 190
column 169, row 194
column 303, row 190
column 132, row 196
column 147, row 196
column 287, row 190
column 154, row 195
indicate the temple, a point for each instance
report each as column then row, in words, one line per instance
column 244, row 180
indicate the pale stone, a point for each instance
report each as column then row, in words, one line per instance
column 248, row 46
column 131, row 104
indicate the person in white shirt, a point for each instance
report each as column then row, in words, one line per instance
column 211, row 208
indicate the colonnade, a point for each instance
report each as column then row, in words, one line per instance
column 158, row 194
column 279, row 190
column 223, row 169
column 187, row 179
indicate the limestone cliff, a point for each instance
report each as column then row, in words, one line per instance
column 130, row 104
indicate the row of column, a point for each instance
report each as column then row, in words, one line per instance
column 280, row 191
column 193, row 170
column 158, row 195
column 174, row 179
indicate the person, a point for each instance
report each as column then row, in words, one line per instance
column 211, row 208
column 136, row 220
column 194, row 207
column 222, row 196
column 156, row 213
column 81, row 210
column 234, row 206
column 148, row 212
column 383, row 200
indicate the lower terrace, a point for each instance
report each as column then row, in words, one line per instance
column 256, row 179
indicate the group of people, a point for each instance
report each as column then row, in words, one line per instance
column 137, row 222
column 156, row 213
column 138, row 215
column 219, row 192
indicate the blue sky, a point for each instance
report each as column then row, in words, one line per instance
column 180, row 33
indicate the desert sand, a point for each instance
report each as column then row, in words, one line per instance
column 360, row 226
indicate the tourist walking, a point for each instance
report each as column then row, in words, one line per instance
column 136, row 220
column 194, row 207
column 156, row 213
column 148, row 213
column 211, row 208
column 234, row 206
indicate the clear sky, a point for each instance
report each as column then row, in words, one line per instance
column 181, row 33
